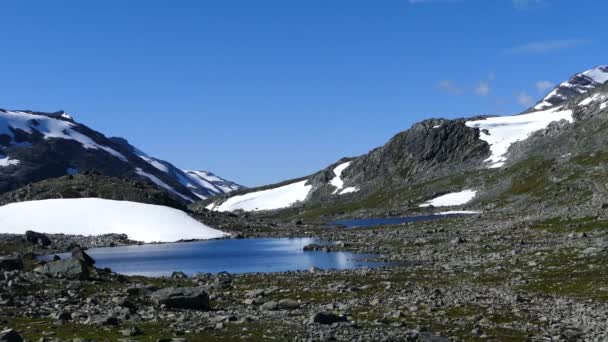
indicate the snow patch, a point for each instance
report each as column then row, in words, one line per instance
column 337, row 181
column 277, row 198
column 451, row 199
column 154, row 162
column 94, row 216
column 349, row 190
column 459, row 212
column 501, row 132
column 160, row 183
column 6, row 161
column 50, row 128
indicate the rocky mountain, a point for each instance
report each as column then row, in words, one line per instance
column 497, row 159
column 578, row 84
column 36, row 146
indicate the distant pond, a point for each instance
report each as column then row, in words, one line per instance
column 230, row 255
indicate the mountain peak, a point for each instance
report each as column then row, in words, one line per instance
column 577, row 84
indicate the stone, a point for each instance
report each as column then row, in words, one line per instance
column 70, row 269
column 327, row 318
column 37, row 238
column 11, row 263
column 288, row 304
column 270, row 306
column 10, row 335
column 132, row 331
column 194, row 298
column 79, row 253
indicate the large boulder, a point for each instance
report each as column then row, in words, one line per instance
column 182, row 298
column 37, row 238
column 11, row 263
column 79, row 253
column 69, row 269
column 327, row 318
column 10, row 335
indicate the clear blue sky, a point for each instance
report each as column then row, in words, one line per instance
column 261, row 91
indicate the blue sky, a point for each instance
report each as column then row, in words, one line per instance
column 261, row 91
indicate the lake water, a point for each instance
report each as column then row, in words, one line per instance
column 233, row 256
column 372, row 222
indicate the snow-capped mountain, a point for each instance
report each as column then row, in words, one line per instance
column 35, row 146
column 578, row 84
column 430, row 159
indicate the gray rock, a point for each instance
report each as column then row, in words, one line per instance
column 79, row 253
column 182, row 298
column 11, row 263
column 132, row 331
column 288, row 304
column 327, row 318
column 10, row 335
column 270, row 306
column 70, row 269
column 37, row 238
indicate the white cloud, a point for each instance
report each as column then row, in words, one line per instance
column 543, row 86
column 450, row 87
column 547, row 46
column 525, row 99
column 482, row 89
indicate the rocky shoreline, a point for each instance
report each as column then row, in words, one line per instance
column 494, row 277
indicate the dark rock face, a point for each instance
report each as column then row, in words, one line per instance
column 11, row 263
column 182, row 298
column 79, row 254
column 44, row 157
column 10, row 335
column 70, row 269
column 92, row 184
column 37, row 238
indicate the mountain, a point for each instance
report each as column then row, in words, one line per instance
column 578, row 84
column 493, row 161
column 36, row 146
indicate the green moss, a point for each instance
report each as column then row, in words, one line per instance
column 570, row 275
column 579, row 225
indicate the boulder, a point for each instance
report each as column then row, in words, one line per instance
column 327, row 318
column 11, row 263
column 37, row 238
column 69, row 269
column 80, row 254
column 288, row 304
column 10, row 335
column 182, row 298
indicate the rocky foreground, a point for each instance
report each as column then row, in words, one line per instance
column 489, row 278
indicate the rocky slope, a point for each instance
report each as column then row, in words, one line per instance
column 488, row 154
column 35, row 146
